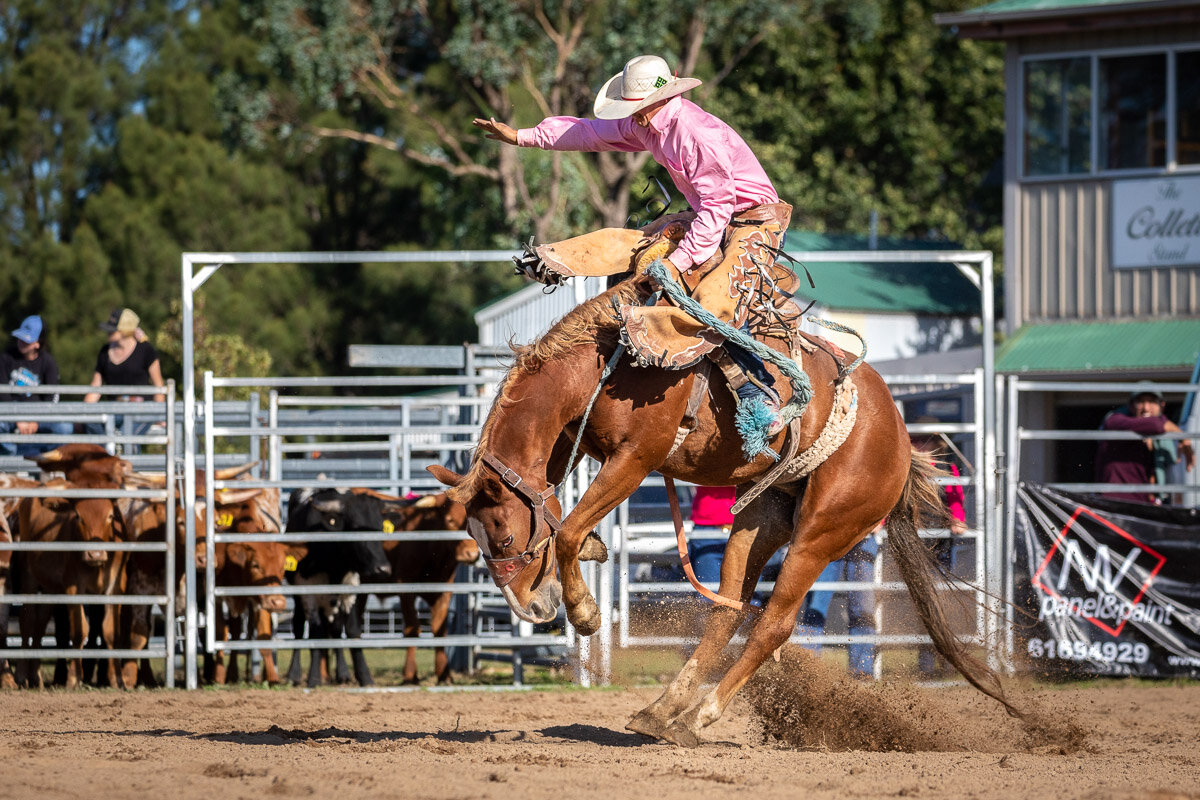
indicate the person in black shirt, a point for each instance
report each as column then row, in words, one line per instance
column 127, row 359
column 124, row 360
column 27, row 362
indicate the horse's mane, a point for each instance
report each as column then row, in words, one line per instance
column 591, row 321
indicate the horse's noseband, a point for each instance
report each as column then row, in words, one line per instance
column 505, row 570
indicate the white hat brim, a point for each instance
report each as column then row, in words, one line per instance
column 611, row 105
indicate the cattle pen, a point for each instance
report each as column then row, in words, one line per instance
column 380, row 432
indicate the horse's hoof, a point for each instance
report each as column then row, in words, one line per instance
column 679, row 733
column 646, row 724
column 593, row 549
column 585, row 617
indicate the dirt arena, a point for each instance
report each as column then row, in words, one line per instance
column 820, row 738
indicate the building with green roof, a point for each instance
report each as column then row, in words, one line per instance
column 1101, row 203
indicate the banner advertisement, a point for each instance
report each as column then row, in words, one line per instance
column 1114, row 586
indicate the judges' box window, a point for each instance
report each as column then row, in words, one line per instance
column 1090, row 113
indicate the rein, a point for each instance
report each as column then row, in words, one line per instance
column 681, row 544
column 505, row 570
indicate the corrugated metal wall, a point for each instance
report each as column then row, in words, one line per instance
column 1065, row 244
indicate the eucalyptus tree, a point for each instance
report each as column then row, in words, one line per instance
column 428, row 68
column 866, row 105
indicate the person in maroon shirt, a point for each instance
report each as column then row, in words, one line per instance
column 1119, row 461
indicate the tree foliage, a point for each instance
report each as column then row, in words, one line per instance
column 131, row 131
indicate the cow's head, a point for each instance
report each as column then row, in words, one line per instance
column 260, row 564
column 81, row 462
column 96, row 520
column 332, row 510
column 433, row 512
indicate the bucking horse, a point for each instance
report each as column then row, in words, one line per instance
column 830, row 478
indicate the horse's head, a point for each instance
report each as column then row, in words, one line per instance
column 510, row 523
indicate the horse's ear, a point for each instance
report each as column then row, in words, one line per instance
column 444, row 475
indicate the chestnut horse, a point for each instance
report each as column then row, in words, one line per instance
column 526, row 442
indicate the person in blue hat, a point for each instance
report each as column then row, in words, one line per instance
column 28, row 363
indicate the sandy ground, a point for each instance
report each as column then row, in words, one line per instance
column 1138, row 742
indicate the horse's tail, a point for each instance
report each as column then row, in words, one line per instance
column 923, row 496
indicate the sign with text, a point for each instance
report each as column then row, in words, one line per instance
column 1109, row 585
column 1156, row 223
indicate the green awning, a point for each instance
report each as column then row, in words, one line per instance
column 1086, row 346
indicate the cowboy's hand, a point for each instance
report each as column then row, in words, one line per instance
column 497, row 130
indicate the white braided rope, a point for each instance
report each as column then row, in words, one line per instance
column 836, row 431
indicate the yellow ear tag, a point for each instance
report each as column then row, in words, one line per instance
column 289, row 564
column 225, row 519
column 388, row 527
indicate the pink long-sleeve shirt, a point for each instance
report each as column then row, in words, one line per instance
column 954, row 498
column 710, row 164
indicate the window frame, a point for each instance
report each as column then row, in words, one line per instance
column 1094, row 56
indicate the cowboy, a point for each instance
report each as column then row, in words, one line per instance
column 735, row 209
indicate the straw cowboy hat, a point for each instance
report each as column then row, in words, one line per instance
column 644, row 81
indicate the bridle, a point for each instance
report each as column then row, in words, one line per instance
column 545, row 525
column 505, row 570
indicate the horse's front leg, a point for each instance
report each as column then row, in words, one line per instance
column 758, row 531
column 617, row 479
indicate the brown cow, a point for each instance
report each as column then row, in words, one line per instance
column 76, row 462
column 97, row 572
column 259, row 563
column 145, row 521
column 240, row 564
column 145, row 574
column 427, row 562
column 255, row 510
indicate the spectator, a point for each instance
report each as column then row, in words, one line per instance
column 857, row 565
column 928, row 662
column 28, row 362
column 1134, row 462
column 712, row 522
column 127, row 359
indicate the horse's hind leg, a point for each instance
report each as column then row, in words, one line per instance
column 826, row 531
column 761, row 529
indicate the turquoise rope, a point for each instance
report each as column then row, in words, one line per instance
column 801, row 387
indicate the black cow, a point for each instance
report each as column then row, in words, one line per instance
column 350, row 562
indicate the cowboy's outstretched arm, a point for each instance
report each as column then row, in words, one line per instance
column 497, row 130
